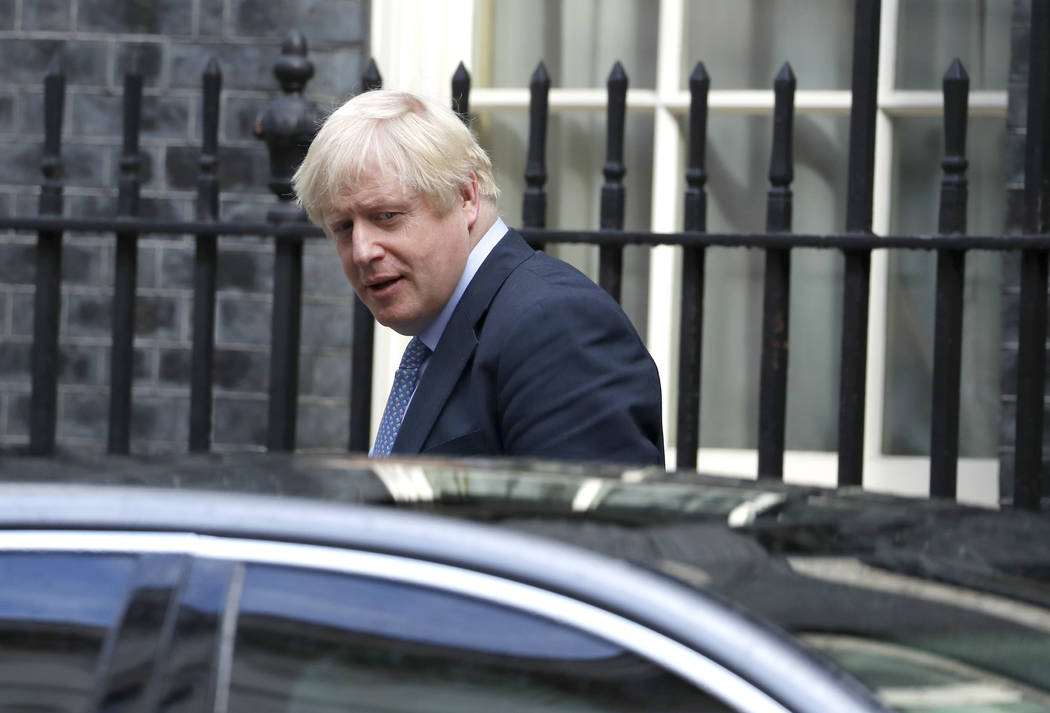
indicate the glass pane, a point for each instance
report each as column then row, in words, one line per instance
column 738, row 166
column 912, row 288
column 578, row 40
column 314, row 641
column 575, row 156
column 743, row 43
column 931, row 33
column 50, row 641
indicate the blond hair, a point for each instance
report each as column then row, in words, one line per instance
column 422, row 143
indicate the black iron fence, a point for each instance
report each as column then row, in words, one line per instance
column 287, row 127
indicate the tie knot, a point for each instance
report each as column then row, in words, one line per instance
column 415, row 353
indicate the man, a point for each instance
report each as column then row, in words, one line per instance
column 514, row 352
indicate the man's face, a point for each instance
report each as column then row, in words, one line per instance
column 402, row 256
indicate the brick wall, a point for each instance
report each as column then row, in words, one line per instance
column 171, row 42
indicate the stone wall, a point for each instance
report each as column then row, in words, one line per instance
column 170, row 41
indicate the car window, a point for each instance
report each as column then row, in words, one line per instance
column 310, row 641
column 55, row 612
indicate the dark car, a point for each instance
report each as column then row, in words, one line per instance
column 302, row 584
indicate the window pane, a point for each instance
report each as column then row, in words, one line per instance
column 738, row 167
column 931, row 33
column 743, row 43
column 575, row 156
column 912, row 288
column 315, row 641
column 50, row 641
column 578, row 40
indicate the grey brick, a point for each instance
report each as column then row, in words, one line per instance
column 241, row 370
column 326, row 325
column 97, row 114
column 14, row 360
column 158, row 17
column 246, row 270
column 243, row 66
column 145, row 58
column 21, row 314
column 212, row 22
column 26, row 61
column 88, row 316
column 174, row 367
column 324, row 20
column 78, row 364
column 17, row 263
column 84, row 415
column 160, row 418
column 325, row 375
column 17, row 414
column 337, row 72
column 85, row 165
column 20, row 162
column 157, row 316
column 239, row 115
column 82, row 264
column 323, row 272
column 46, row 15
column 146, row 266
column 176, row 266
column 166, row 117
column 7, row 112
column 7, row 14
column 322, row 426
column 243, row 320
column 246, row 211
column 239, row 422
column 240, row 169
column 105, row 206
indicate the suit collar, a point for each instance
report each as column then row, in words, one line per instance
column 458, row 342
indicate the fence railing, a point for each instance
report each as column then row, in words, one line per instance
column 287, row 127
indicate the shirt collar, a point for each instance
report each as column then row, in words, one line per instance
column 432, row 334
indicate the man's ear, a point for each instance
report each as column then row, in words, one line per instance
column 470, row 199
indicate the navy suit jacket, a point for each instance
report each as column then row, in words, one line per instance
column 536, row 360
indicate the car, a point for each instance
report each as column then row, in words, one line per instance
column 309, row 583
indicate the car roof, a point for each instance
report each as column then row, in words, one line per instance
column 813, row 562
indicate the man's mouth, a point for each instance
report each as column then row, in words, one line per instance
column 382, row 285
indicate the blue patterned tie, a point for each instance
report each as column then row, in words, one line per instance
column 405, row 381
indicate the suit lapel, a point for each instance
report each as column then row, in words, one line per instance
column 458, row 342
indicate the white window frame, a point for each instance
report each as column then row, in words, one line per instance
column 418, row 45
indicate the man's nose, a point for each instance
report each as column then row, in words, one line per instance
column 366, row 247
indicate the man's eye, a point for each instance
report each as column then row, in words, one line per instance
column 388, row 215
column 344, row 227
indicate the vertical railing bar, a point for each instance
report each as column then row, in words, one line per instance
column 205, row 264
column 610, row 257
column 777, row 292
column 857, row 275
column 1031, row 345
column 951, row 275
column 122, row 351
column 691, row 319
column 47, row 298
column 363, row 339
column 534, row 202
column 461, row 93
column 287, row 126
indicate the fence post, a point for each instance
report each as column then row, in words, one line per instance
column 205, row 259
column 287, row 125
column 363, row 338
column 777, row 298
column 1031, row 342
column 534, row 202
column 47, row 298
column 857, row 275
column 461, row 93
column 951, row 276
column 610, row 260
column 691, row 321
column 122, row 351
